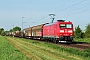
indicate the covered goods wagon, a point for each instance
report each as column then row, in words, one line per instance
column 37, row 32
column 27, row 32
column 17, row 33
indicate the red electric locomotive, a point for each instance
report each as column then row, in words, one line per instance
column 59, row 31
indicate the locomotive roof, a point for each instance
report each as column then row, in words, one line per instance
column 50, row 24
column 58, row 21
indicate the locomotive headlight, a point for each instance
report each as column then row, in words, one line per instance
column 70, row 34
column 70, row 31
column 61, row 30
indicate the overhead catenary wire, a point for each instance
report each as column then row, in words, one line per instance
column 44, row 18
column 72, row 5
column 67, row 7
column 77, row 12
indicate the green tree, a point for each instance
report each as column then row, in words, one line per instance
column 78, row 32
column 1, row 29
column 2, row 32
column 16, row 28
column 87, row 32
column 11, row 30
column 6, row 32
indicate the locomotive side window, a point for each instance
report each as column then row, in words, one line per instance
column 62, row 25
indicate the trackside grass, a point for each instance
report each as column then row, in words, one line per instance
column 87, row 40
column 45, row 51
column 9, row 52
column 68, row 51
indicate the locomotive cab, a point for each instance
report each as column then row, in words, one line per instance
column 66, row 31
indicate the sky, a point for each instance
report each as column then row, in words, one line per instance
column 36, row 12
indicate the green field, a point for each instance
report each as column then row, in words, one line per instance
column 36, row 50
column 9, row 52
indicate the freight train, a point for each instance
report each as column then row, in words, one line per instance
column 60, row 31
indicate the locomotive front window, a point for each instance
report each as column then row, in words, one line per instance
column 65, row 25
column 68, row 25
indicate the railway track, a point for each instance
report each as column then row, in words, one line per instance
column 80, row 46
column 76, row 45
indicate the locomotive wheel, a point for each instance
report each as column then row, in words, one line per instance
column 46, row 40
column 56, row 41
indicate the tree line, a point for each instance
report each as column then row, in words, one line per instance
column 3, row 32
column 78, row 33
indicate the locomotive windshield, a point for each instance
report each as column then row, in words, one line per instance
column 65, row 25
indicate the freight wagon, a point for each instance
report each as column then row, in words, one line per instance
column 17, row 33
column 27, row 32
column 37, row 32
